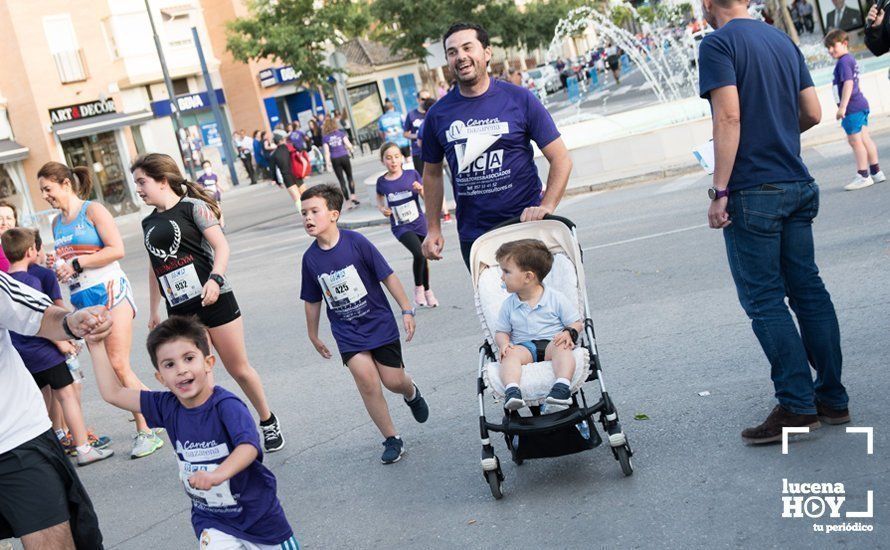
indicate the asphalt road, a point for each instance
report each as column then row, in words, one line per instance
column 669, row 328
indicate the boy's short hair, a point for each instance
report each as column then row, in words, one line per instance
column 835, row 36
column 206, row 162
column 332, row 196
column 177, row 327
column 528, row 255
column 38, row 241
column 16, row 242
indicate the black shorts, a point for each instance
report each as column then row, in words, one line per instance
column 40, row 489
column 388, row 354
column 406, row 151
column 223, row 311
column 55, row 377
column 290, row 182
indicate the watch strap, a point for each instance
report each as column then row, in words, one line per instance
column 67, row 328
column 75, row 265
column 412, row 312
column 217, row 278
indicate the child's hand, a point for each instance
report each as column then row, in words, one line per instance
column 321, row 348
column 563, row 340
column 203, row 480
column 506, row 350
column 410, row 326
column 153, row 320
column 385, row 211
column 841, row 113
column 417, row 186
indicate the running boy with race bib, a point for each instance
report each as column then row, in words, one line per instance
column 189, row 255
column 398, row 198
column 345, row 270
column 234, row 500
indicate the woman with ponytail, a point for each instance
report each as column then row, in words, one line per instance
column 88, row 247
column 189, row 255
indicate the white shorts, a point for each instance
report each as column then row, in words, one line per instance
column 213, row 539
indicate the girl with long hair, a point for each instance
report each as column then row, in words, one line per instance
column 189, row 255
column 88, row 247
column 337, row 149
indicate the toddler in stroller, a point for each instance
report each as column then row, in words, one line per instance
column 536, row 323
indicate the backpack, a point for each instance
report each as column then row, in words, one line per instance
column 299, row 160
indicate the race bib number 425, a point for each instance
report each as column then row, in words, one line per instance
column 342, row 288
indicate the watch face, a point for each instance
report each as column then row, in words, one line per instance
column 712, row 193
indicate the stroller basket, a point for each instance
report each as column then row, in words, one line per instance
column 557, row 434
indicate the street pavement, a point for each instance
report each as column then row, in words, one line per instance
column 675, row 347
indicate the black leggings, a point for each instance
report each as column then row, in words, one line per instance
column 412, row 242
column 341, row 165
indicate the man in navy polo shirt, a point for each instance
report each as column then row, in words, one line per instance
column 764, row 199
column 484, row 128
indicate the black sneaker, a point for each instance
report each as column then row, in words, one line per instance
column 419, row 407
column 560, row 394
column 771, row 429
column 513, row 399
column 272, row 438
column 393, row 449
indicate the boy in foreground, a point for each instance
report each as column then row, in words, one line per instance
column 536, row 323
column 234, row 501
column 346, row 270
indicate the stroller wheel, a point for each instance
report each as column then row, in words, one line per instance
column 624, row 460
column 494, row 483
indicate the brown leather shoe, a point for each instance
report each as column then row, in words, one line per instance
column 832, row 416
column 771, row 429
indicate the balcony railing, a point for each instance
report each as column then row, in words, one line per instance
column 71, row 66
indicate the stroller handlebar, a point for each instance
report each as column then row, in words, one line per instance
column 512, row 221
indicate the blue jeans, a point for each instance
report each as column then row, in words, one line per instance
column 770, row 250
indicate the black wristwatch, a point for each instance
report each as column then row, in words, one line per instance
column 217, row 278
column 573, row 333
column 67, row 329
column 75, row 265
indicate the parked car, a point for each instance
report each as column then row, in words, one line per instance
column 544, row 77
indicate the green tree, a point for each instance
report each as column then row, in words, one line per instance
column 296, row 33
column 541, row 18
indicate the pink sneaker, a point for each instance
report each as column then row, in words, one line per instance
column 419, row 297
column 431, row 299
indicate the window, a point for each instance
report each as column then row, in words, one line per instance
column 108, row 33
column 68, row 57
column 180, row 86
column 177, row 24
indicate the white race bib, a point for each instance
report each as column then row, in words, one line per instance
column 343, row 288
column 405, row 213
column 218, row 496
column 181, row 285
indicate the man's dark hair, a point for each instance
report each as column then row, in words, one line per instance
column 481, row 33
column 332, row 196
column 177, row 327
column 835, row 36
column 528, row 255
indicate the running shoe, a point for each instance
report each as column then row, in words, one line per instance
column 859, row 182
column 560, row 394
column 879, row 177
column 513, row 399
column 431, row 299
column 419, row 297
column 272, row 438
column 67, row 443
column 98, row 441
column 93, row 455
column 393, row 449
column 419, row 407
column 145, row 443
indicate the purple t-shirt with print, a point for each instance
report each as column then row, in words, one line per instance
column 847, row 69
column 347, row 277
column 404, row 201
column 487, row 143
column 246, row 506
column 38, row 354
column 412, row 124
column 336, row 141
column 298, row 138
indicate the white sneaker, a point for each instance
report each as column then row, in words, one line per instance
column 93, row 455
column 879, row 177
column 859, row 182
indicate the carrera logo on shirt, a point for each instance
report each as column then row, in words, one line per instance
column 400, row 195
column 476, row 127
column 202, row 451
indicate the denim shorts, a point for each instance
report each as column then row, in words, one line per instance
column 853, row 123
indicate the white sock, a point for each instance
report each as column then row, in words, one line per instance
column 512, row 385
column 60, row 434
column 83, row 449
column 414, row 394
column 563, row 381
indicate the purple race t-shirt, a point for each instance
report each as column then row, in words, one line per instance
column 49, row 284
column 298, row 138
column 348, row 278
column 413, row 122
column 246, row 506
column 487, row 142
column 337, row 143
column 38, row 354
column 404, row 201
column 847, row 69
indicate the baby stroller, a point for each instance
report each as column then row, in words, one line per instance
column 536, row 434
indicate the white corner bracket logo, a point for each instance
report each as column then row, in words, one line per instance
column 815, row 500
